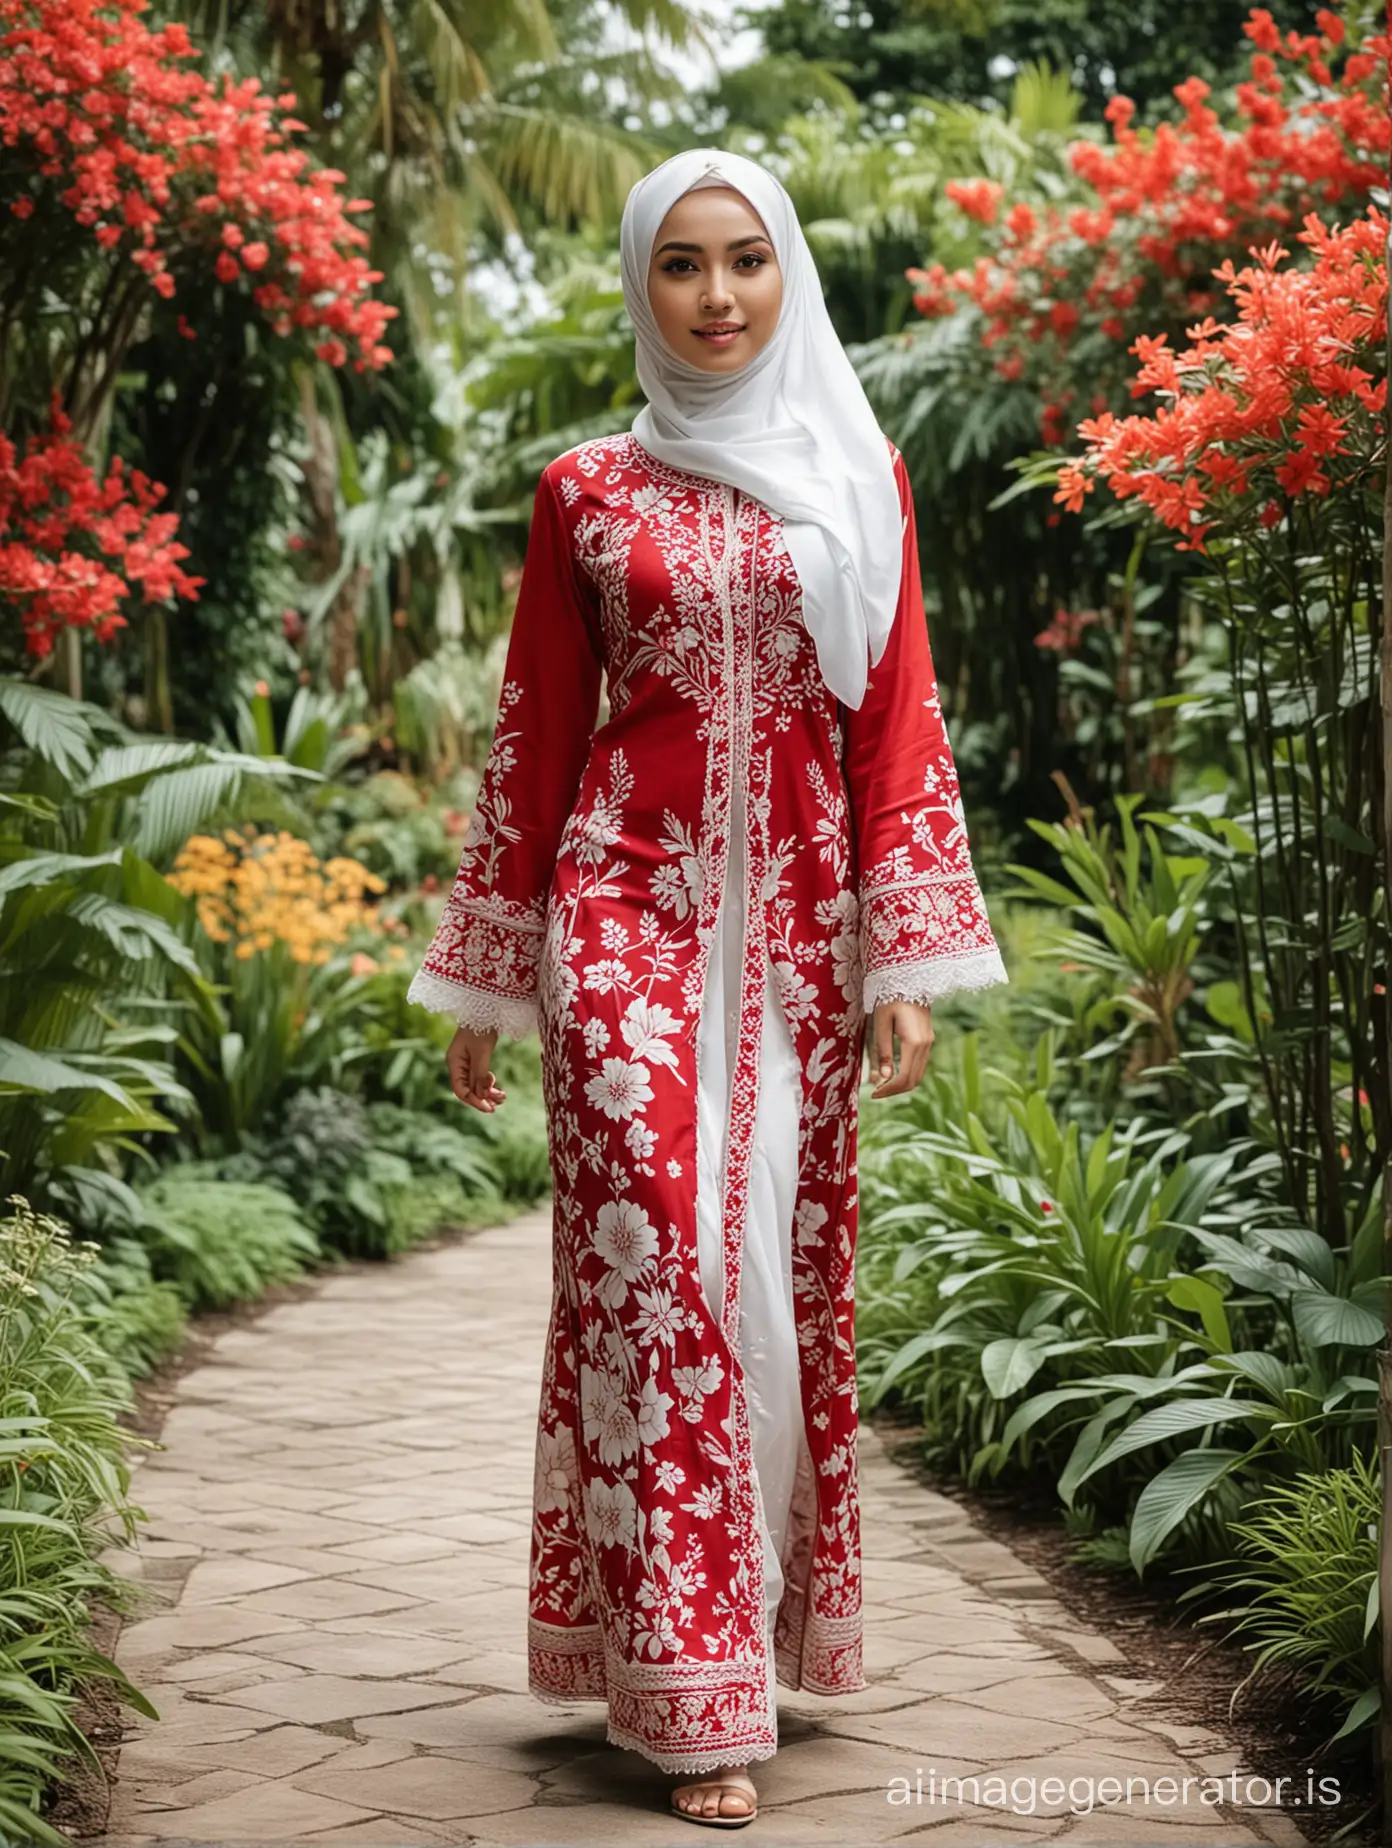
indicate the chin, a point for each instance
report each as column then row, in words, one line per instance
column 727, row 359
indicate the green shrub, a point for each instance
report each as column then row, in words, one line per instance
column 221, row 1241
column 375, row 1178
column 63, row 1502
column 140, row 1321
column 1141, row 1322
column 96, row 973
column 1308, row 1575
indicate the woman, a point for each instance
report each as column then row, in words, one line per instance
column 697, row 905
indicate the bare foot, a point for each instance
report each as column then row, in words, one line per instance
column 725, row 1796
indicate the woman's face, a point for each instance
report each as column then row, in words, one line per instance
column 713, row 279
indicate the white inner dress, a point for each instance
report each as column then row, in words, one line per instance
column 768, row 1328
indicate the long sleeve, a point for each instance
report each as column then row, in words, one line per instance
column 482, row 963
column 924, row 931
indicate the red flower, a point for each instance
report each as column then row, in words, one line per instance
column 1273, row 405
column 979, row 199
column 157, row 158
column 73, row 548
column 1312, row 133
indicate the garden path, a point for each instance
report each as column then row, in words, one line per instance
column 336, row 1552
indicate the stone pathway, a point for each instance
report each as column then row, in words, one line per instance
column 336, row 1556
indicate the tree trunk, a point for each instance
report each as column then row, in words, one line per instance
column 159, row 703
column 67, row 667
column 326, row 542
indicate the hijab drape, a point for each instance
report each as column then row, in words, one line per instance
column 793, row 427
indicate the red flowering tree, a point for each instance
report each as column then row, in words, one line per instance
column 1263, row 417
column 1232, row 277
column 76, row 548
column 1060, row 291
column 1265, row 454
column 129, row 179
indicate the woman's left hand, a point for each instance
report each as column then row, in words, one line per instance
column 912, row 1023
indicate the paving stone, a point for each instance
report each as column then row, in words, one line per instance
column 1132, row 1688
column 400, row 1549
column 495, row 1669
column 1218, row 1832
column 1045, row 1697
column 273, row 1753
column 377, row 1652
column 155, row 1638
column 980, row 1829
column 382, row 1831
column 442, row 1789
column 324, row 1598
column 946, row 1727
column 230, row 1579
column 964, row 1672
column 486, row 1719
column 202, row 1787
column 1091, row 1647
column 313, row 1699
column 271, row 1811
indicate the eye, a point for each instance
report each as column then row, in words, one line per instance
column 756, row 257
column 670, row 266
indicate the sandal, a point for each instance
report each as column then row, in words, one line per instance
column 739, row 1783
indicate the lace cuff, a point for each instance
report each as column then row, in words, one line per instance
column 477, row 1008
column 933, row 978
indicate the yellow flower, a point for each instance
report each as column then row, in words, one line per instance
column 257, row 891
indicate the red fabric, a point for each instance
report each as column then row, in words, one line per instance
column 586, row 899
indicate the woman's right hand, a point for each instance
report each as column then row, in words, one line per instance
column 468, row 1058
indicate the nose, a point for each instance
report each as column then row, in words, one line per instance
column 717, row 294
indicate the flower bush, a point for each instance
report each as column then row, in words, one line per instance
column 1280, row 404
column 1064, row 289
column 186, row 177
column 258, row 891
column 73, row 546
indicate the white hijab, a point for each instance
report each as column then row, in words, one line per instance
column 793, row 427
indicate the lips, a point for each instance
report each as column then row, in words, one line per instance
column 721, row 334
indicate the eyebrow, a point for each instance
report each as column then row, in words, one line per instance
column 737, row 243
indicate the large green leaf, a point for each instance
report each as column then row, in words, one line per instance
column 1323, row 1320
column 1361, row 1713
column 1009, row 1364
column 133, row 763
column 1311, row 1252
column 1087, row 1444
column 187, row 797
column 41, row 868
column 1203, row 1297
column 1026, row 1416
column 1167, row 1498
column 24, row 1071
column 1173, row 1420
column 56, row 728
column 175, row 805
column 931, row 1341
column 135, row 934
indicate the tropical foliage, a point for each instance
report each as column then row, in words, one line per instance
column 294, row 305
column 1187, row 1347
